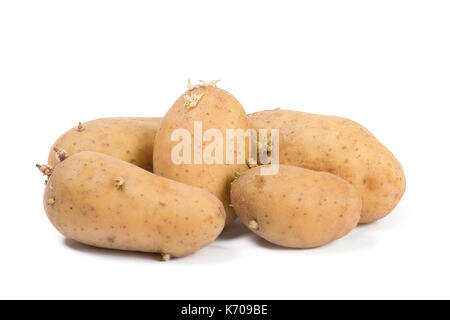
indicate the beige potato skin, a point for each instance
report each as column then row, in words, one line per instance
column 149, row 213
column 129, row 139
column 217, row 109
column 342, row 147
column 296, row 208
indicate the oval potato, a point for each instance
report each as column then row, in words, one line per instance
column 296, row 208
column 106, row 202
column 128, row 139
column 216, row 109
column 342, row 147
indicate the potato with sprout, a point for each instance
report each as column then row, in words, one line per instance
column 201, row 109
column 129, row 139
column 296, row 208
column 106, row 202
column 342, row 147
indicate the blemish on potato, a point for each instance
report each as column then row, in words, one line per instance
column 111, row 239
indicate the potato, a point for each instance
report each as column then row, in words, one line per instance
column 129, row 139
column 342, row 147
column 216, row 109
column 296, row 208
column 106, row 202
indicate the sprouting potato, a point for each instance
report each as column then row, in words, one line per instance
column 129, row 139
column 106, row 202
column 296, row 208
column 342, row 147
column 215, row 109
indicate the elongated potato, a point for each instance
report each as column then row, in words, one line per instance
column 296, row 208
column 215, row 109
column 342, row 147
column 106, row 202
column 129, row 139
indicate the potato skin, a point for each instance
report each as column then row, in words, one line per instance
column 129, row 139
column 296, row 208
column 342, row 147
column 217, row 109
column 149, row 213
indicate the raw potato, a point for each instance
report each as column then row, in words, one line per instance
column 129, row 139
column 217, row 109
column 296, row 208
column 106, row 202
column 342, row 147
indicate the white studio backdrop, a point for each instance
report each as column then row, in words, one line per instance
column 384, row 64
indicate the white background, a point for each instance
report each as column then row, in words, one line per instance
column 385, row 64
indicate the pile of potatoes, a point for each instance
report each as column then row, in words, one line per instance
column 111, row 182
